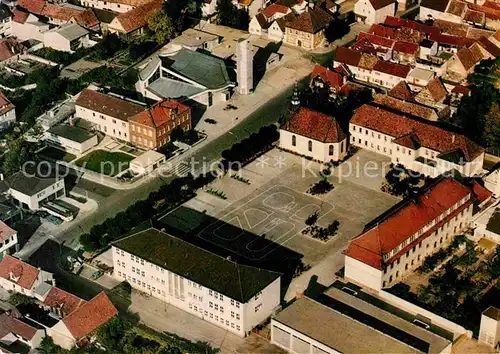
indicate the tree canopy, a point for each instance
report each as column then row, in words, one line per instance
column 161, row 25
column 229, row 15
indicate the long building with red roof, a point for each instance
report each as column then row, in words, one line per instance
column 418, row 145
column 386, row 252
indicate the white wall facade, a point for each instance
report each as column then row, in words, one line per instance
column 254, row 26
column 29, row 30
column 10, row 285
column 383, row 144
column 55, row 40
column 205, row 303
column 315, row 149
column 296, row 342
column 489, row 332
column 61, row 336
column 33, row 201
column 275, row 33
column 106, row 5
column 364, row 9
column 362, row 273
column 426, row 13
column 71, row 145
column 8, row 246
column 7, row 119
column 104, row 123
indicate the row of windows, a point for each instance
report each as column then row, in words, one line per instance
column 215, row 317
column 310, row 146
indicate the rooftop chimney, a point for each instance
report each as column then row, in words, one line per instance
column 452, row 138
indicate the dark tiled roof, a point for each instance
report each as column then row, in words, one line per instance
column 239, row 282
column 329, row 77
column 437, row 89
column 456, row 8
column 392, row 68
column 311, row 20
column 379, row 4
column 492, row 312
column 71, row 133
column 9, row 324
column 109, row 105
column 28, row 184
column 438, row 5
column 477, row 17
column 401, row 91
column 413, row 109
column 315, row 125
column 453, row 28
column 466, row 58
column 378, row 40
column 406, row 47
column 489, row 46
column 347, row 56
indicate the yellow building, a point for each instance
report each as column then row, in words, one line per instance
column 307, row 30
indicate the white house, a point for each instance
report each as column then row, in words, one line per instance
column 27, row 26
column 13, row 332
column 71, row 138
column 5, row 21
column 108, row 114
column 386, row 252
column 418, row 146
column 8, row 240
column 260, row 24
column 30, row 191
column 489, row 331
column 7, row 112
column 147, row 162
column 314, row 134
column 113, row 5
column 68, row 37
column 21, row 277
column 82, row 323
column 185, row 73
column 374, row 11
column 227, row 294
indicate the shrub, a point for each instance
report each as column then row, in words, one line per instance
column 321, row 187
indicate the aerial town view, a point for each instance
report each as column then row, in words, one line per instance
column 249, row 176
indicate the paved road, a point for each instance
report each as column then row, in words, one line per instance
column 111, row 203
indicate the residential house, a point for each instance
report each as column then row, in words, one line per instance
column 417, row 145
column 307, row 30
column 30, row 191
column 263, row 20
column 147, row 162
column 387, row 74
column 462, row 64
column 81, row 324
column 67, row 38
column 10, row 50
column 59, row 302
column 27, row 26
column 225, row 293
column 324, row 77
column 88, row 20
column 120, row 6
column 433, row 95
column 335, row 321
column 419, row 78
column 8, row 240
column 7, row 109
column 5, row 21
column 71, row 138
column 108, row 114
column 15, row 333
column 152, row 127
column 55, row 14
column 401, row 91
column 185, row 74
column 314, row 134
column 405, row 53
column 132, row 22
column 105, row 18
column 21, row 277
column 374, row 11
column 385, row 253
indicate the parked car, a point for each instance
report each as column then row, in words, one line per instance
column 54, row 220
column 211, row 121
column 97, row 275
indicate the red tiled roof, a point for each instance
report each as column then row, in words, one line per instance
column 452, row 40
column 89, row 316
column 368, row 61
column 59, row 12
column 138, row 17
column 311, row 20
column 26, row 273
column 379, row 4
column 9, row 324
column 491, row 9
column 378, row 40
column 404, row 23
column 480, row 192
column 161, row 113
column 453, row 28
column 437, row 89
column 273, row 9
column 19, row 16
column 65, row 302
column 401, row 91
column 329, row 77
column 477, row 52
column 489, row 46
column 382, row 31
column 33, row 6
column 438, row 5
column 109, row 105
column 5, row 104
column 476, row 17
column 464, row 90
column 315, row 125
column 87, row 19
column 6, row 232
column 476, row 33
column 347, row 56
column 413, row 109
column 406, row 47
column 392, row 68
column 6, row 49
column 372, row 245
column 431, row 137
column 492, row 5
column 466, row 58
column 457, row 8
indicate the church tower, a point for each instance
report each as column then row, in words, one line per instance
column 244, row 68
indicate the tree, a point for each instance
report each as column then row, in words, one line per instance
column 491, row 133
column 230, row 15
column 180, row 12
column 111, row 334
column 20, row 152
column 161, row 25
column 17, row 299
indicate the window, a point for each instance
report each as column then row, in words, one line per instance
column 294, row 140
column 330, row 150
column 232, row 314
column 257, row 308
column 237, row 316
column 310, row 145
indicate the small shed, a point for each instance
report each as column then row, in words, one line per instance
column 147, row 162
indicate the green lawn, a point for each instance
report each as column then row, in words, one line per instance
column 105, row 162
column 52, row 153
